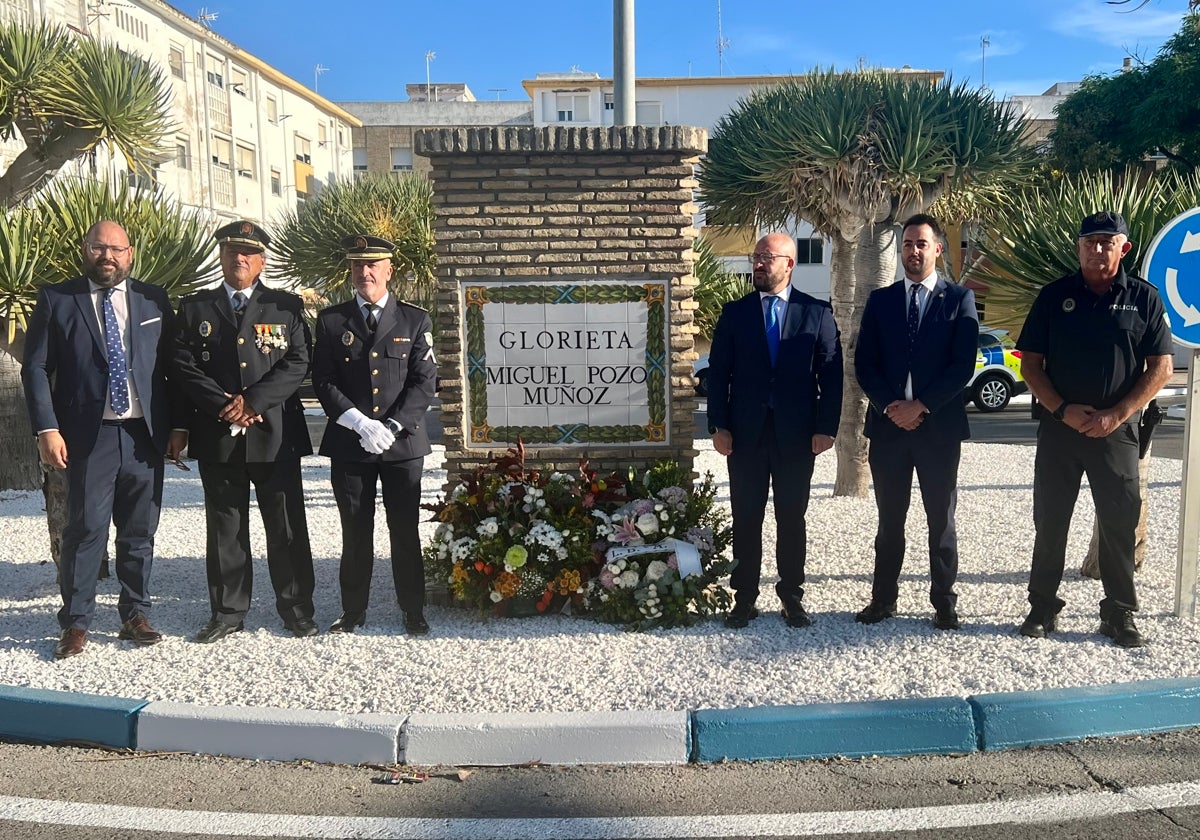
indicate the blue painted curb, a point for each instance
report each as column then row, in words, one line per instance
column 1027, row 718
column 37, row 714
column 887, row 727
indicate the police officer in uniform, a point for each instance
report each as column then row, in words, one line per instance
column 1095, row 349
column 374, row 373
column 241, row 352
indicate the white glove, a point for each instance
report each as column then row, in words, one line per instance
column 235, row 430
column 375, row 437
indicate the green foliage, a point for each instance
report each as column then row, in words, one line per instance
column 305, row 242
column 40, row 243
column 715, row 287
column 1036, row 242
column 65, row 96
column 844, row 149
column 1116, row 120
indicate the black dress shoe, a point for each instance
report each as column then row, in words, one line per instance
column 741, row 615
column 301, row 627
column 415, row 623
column 875, row 612
column 946, row 620
column 216, row 630
column 796, row 616
column 1120, row 628
column 1038, row 625
column 347, row 622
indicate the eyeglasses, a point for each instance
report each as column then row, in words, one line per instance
column 99, row 250
column 765, row 257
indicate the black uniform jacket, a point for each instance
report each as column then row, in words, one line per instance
column 389, row 376
column 264, row 360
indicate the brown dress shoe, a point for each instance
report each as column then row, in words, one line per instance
column 138, row 630
column 71, row 643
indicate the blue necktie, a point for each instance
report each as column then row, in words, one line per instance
column 914, row 316
column 118, row 373
column 239, row 305
column 772, row 327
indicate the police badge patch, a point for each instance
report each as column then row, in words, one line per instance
column 1068, row 305
column 205, row 329
column 347, row 338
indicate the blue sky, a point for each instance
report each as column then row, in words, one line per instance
column 374, row 47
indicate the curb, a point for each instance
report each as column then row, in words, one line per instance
column 939, row 725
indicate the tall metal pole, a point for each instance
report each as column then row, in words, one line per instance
column 623, row 75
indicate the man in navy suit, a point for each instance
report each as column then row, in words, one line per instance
column 775, row 399
column 374, row 374
column 95, row 352
column 916, row 352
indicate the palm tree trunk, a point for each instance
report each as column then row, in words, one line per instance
column 1091, row 563
column 874, row 267
column 19, row 469
column 850, row 445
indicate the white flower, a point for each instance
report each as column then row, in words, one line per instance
column 488, row 527
column 655, row 570
column 628, row 579
column 647, row 523
column 496, row 597
column 463, row 548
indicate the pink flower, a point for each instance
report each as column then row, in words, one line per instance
column 673, row 561
column 607, row 578
column 589, row 500
column 627, row 533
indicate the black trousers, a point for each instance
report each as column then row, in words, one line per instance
column 228, row 561
column 119, row 482
column 893, row 460
column 756, row 467
column 1111, row 465
column 354, row 484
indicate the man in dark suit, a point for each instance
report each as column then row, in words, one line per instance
column 241, row 352
column 95, row 352
column 374, row 372
column 775, row 398
column 916, row 352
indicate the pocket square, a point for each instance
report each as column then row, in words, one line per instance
column 150, row 321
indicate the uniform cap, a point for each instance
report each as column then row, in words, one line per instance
column 243, row 233
column 359, row 246
column 1105, row 221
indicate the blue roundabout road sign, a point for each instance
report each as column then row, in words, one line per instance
column 1172, row 264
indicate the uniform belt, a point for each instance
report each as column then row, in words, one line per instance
column 126, row 422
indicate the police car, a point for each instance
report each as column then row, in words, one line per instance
column 997, row 376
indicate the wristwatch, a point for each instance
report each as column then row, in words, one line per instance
column 1060, row 411
column 712, row 430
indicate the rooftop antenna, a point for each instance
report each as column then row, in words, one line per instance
column 430, row 55
column 497, row 91
column 984, row 43
column 205, row 17
column 317, row 71
column 722, row 41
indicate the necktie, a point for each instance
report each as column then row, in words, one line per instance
column 118, row 373
column 372, row 320
column 914, row 316
column 239, row 305
column 772, row 326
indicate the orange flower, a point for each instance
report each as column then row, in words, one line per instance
column 507, row 584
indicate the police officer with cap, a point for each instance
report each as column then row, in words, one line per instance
column 374, row 373
column 241, row 352
column 1095, row 349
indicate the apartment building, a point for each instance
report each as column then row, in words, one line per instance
column 250, row 142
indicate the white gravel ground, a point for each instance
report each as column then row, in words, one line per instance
column 562, row 663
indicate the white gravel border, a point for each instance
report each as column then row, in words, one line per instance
column 564, row 664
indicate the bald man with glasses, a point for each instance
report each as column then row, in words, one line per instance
column 775, row 400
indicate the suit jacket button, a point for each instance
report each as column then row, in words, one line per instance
column 374, row 355
column 375, row 372
column 374, row 390
column 347, row 358
column 243, row 364
column 375, row 409
column 241, row 340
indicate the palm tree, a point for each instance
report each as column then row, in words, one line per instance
column 400, row 209
column 1037, row 246
column 715, row 287
column 854, row 154
column 66, row 97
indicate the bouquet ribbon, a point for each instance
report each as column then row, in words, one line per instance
column 687, row 555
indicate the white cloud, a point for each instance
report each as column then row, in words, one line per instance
column 1098, row 21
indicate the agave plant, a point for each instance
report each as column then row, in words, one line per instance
column 67, row 96
column 853, row 154
column 399, row 209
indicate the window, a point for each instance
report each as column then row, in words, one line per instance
column 402, row 159
column 216, row 79
column 222, row 152
column 130, row 24
column 810, row 251
column 610, row 101
column 648, row 113
column 241, row 82
column 360, row 160
column 183, row 153
column 272, row 111
column 322, row 134
column 247, row 166
column 175, row 61
column 303, row 149
column 571, row 107
column 276, row 183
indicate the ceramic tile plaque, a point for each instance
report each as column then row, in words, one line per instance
column 581, row 364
